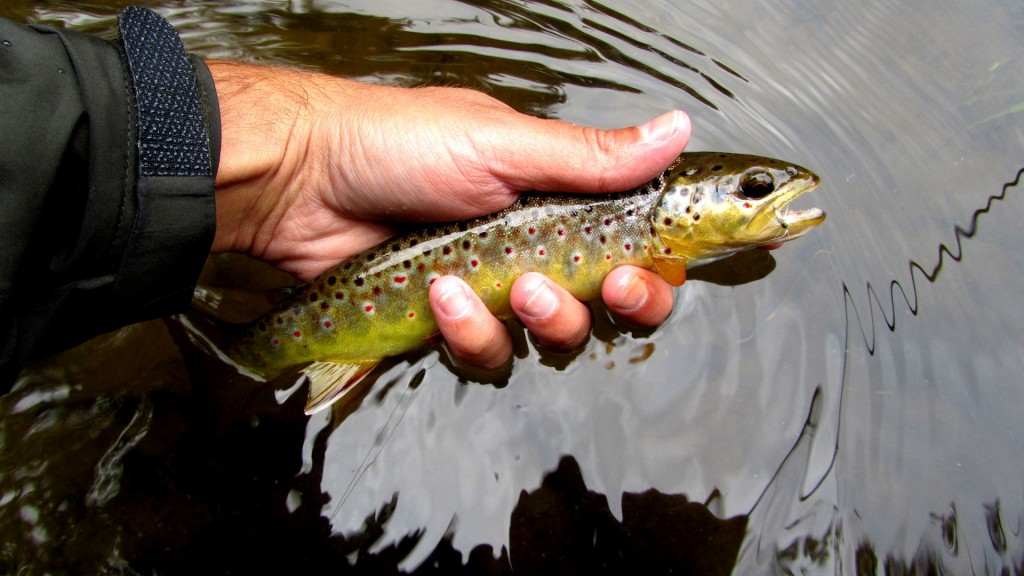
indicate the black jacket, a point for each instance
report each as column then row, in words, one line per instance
column 108, row 152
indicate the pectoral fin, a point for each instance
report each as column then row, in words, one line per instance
column 671, row 268
column 329, row 381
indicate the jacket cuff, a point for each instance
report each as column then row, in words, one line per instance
column 176, row 155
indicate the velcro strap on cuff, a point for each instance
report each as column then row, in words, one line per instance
column 172, row 134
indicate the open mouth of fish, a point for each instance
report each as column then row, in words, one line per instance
column 787, row 222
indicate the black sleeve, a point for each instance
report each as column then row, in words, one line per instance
column 108, row 152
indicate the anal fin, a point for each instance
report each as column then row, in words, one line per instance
column 330, row 381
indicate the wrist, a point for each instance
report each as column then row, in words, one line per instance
column 265, row 119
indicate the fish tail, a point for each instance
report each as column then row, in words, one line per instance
column 216, row 338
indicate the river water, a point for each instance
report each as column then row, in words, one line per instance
column 849, row 403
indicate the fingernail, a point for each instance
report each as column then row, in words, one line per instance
column 542, row 301
column 454, row 302
column 664, row 127
column 632, row 294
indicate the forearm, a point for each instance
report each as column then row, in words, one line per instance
column 96, row 233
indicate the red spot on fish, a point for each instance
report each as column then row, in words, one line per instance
column 542, row 252
column 508, row 250
column 561, row 231
column 446, row 250
column 276, row 342
column 532, row 230
column 297, row 334
column 474, row 263
column 412, row 314
column 577, row 258
column 432, row 280
column 588, row 229
column 399, row 279
column 327, row 323
column 369, row 308
column 608, row 221
column 746, row 204
column 628, row 246
column 497, row 284
column 607, row 256
column 339, row 295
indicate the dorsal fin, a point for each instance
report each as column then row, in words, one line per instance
column 330, row 381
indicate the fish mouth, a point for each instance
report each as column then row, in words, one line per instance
column 777, row 222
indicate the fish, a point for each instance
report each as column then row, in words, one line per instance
column 704, row 207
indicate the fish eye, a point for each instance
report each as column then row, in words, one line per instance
column 757, row 185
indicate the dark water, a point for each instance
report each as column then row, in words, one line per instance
column 850, row 406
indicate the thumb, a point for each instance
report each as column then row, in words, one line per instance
column 562, row 157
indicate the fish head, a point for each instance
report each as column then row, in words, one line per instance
column 714, row 205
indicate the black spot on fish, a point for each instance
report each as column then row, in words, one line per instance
column 446, row 250
column 696, row 217
column 667, row 221
column 262, row 326
column 313, row 297
column 716, row 168
column 413, row 242
column 396, row 247
column 483, row 234
column 407, row 264
column 376, row 290
column 332, row 280
column 466, row 245
column 371, row 256
column 358, row 281
column 463, row 226
column 325, row 305
column 427, row 252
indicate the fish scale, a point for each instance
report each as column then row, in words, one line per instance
column 705, row 206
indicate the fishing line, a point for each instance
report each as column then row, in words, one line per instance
column 382, row 437
column 912, row 299
column 800, row 453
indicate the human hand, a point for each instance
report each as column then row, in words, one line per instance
column 315, row 169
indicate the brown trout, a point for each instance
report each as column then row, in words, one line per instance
column 704, row 207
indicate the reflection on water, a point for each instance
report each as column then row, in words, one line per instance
column 772, row 415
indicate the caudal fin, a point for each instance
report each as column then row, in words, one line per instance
column 211, row 336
